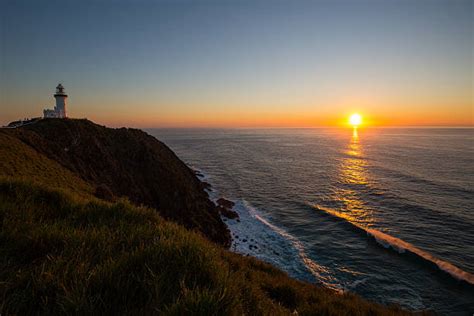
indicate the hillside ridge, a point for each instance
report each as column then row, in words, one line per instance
column 128, row 163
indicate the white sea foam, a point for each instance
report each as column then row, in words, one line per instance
column 402, row 246
column 273, row 244
column 254, row 235
column 321, row 273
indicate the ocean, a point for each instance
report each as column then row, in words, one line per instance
column 384, row 213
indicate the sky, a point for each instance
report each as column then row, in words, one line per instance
column 240, row 63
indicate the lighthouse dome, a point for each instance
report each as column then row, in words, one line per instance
column 60, row 89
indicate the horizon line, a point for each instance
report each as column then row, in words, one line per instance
column 315, row 127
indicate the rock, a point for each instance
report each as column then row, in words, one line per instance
column 198, row 173
column 227, row 213
column 225, row 203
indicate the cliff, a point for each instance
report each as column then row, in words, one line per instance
column 128, row 163
column 75, row 240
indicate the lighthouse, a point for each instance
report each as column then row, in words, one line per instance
column 59, row 110
column 60, row 97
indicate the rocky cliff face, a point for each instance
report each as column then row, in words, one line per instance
column 130, row 163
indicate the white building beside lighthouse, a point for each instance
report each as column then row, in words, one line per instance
column 59, row 110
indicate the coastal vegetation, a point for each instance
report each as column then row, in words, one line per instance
column 74, row 242
column 127, row 163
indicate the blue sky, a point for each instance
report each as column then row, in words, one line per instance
column 239, row 63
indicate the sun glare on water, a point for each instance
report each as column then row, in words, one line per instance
column 355, row 120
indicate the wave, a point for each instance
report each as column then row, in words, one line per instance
column 402, row 246
column 321, row 273
column 250, row 224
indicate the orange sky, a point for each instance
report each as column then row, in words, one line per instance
column 239, row 64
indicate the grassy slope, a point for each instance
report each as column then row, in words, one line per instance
column 61, row 253
column 130, row 163
column 62, row 250
column 20, row 161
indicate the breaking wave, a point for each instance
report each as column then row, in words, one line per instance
column 402, row 246
column 321, row 273
column 269, row 242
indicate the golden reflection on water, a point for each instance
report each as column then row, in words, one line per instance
column 355, row 134
column 354, row 178
column 353, row 166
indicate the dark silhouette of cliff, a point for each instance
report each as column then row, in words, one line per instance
column 128, row 163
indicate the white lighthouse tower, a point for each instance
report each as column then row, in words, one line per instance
column 59, row 110
column 60, row 97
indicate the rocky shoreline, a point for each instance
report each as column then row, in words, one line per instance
column 241, row 242
column 223, row 206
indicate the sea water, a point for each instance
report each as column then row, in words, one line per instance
column 385, row 213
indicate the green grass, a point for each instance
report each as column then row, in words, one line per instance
column 63, row 253
column 20, row 161
column 114, row 163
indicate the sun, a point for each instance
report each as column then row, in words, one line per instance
column 355, row 120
